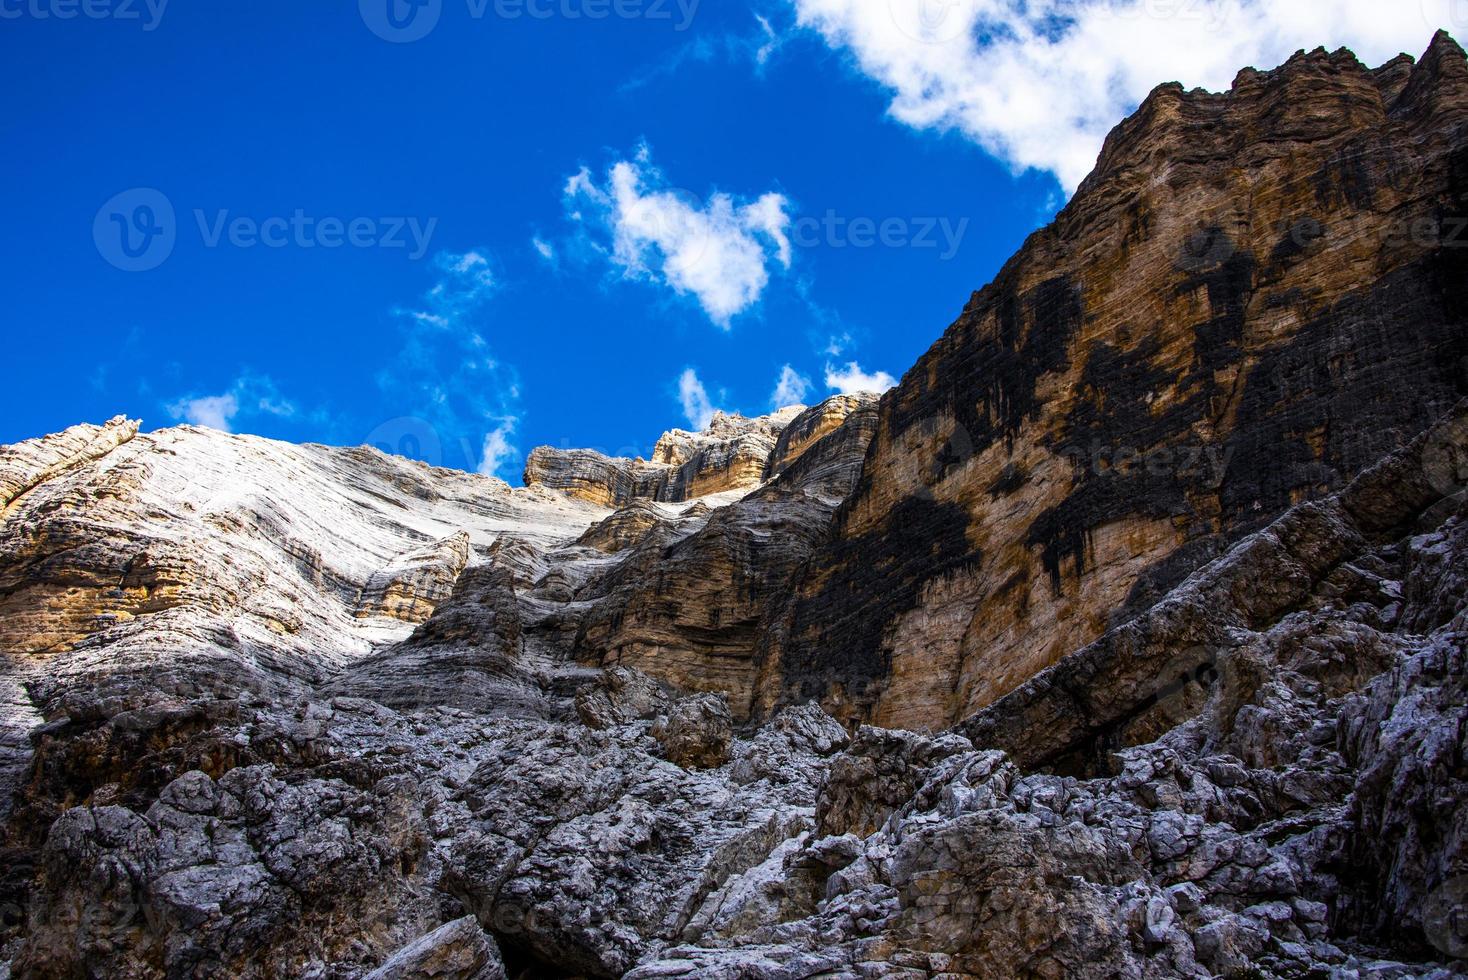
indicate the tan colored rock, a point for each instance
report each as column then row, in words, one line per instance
column 733, row 453
column 412, row 587
column 1254, row 296
column 811, row 426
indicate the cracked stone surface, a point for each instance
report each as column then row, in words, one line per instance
column 866, row 689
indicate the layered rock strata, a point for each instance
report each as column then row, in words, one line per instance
column 1254, row 296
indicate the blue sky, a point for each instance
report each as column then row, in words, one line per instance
column 563, row 222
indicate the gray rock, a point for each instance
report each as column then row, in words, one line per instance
column 457, row 951
column 621, row 695
column 696, row 732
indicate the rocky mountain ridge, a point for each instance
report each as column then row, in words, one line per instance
column 1158, row 556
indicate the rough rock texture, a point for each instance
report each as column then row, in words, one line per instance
column 457, row 951
column 696, row 732
column 622, row 695
column 280, row 711
column 27, row 465
column 733, row 453
column 1254, row 296
column 691, row 600
column 1301, row 812
column 413, row 586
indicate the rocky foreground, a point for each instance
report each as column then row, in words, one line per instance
column 1126, row 638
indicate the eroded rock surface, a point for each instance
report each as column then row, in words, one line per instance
column 273, row 710
column 1256, row 295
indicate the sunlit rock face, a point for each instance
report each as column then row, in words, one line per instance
column 1254, row 296
column 732, row 453
column 1150, row 584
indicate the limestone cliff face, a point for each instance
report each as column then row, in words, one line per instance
column 732, row 453
column 690, row 607
column 1256, row 294
column 1153, row 517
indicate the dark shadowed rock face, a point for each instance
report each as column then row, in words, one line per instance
column 1254, row 296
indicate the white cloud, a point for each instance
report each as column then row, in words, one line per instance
column 697, row 406
column 791, row 389
column 719, row 251
column 466, row 283
column 498, row 449
column 836, row 345
column 851, row 379
column 1039, row 83
column 214, row 411
column 251, row 396
column 546, row 250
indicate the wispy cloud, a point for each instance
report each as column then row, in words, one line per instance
column 252, row 396
column 1039, row 83
column 498, row 451
column 851, row 379
column 756, row 47
column 836, row 344
column 790, row 389
column 719, row 250
column 445, row 371
column 698, row 408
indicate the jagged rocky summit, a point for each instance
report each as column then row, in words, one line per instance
column 1125, row 638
